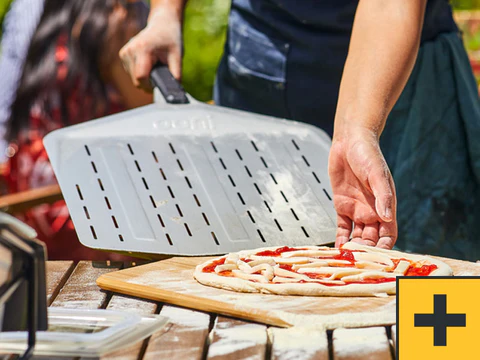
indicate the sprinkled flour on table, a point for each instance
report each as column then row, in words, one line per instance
column 361, row 343
column 229, row 340
column 298, row 343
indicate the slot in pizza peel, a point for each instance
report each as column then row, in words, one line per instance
column 181, row 177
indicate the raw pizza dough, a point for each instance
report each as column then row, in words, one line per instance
column 352, row 270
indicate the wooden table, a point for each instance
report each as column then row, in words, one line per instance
column 198, row 335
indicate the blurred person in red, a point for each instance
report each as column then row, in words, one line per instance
column 72, row 74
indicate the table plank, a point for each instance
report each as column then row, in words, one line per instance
column 137, row 306
column 57, row 274
column 184, row 338
column 21, row 201
column 363, row 343
column 237, row 339
column 81, row 291
column 394, row 339
column 298, row 343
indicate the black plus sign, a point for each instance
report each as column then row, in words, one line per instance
column 440, row 320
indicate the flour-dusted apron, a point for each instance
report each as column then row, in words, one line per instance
column 285, row 58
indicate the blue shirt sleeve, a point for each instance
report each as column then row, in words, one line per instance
column 19, row 26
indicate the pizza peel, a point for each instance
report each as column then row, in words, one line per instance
column 181, row 177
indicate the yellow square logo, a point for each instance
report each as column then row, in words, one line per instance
column 438, row 317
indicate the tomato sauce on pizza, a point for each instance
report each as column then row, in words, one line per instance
column 313, row 270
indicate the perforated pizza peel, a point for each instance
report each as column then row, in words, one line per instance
column 187, row 178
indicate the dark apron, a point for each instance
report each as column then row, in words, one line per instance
column 285, row 58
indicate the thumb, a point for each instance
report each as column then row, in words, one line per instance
column 141, row 71
column 174, row 60
column 383, row 189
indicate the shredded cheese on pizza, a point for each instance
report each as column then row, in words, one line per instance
column 327, row 266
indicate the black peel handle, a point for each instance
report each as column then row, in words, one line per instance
column 170, row 88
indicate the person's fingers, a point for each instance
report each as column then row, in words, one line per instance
column 358, row 237
column 174, row 60
column 387, row 233
column 364, row 242
column 370, row 232
column 357, row 231
column 141, row 71
column 383, row 189
column 344, row 229
column 137, row 64
column 126, row 56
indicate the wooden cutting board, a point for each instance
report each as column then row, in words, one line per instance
column 171, row 281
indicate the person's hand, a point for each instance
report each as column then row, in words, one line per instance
column 363, row 190
column 160, row 41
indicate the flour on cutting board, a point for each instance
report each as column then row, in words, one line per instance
column 259, row 304
column 473, row 270
column 341, row 320
column 170, row 280
column 182, row 281
column 382, row 315
column 173, row 278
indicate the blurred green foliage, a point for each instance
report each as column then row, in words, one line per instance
column 4, row 5
column 465, row 4
column 204, row 37
column 470, row 28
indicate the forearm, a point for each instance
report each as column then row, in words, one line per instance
column 175, row 7
column 383, row 48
